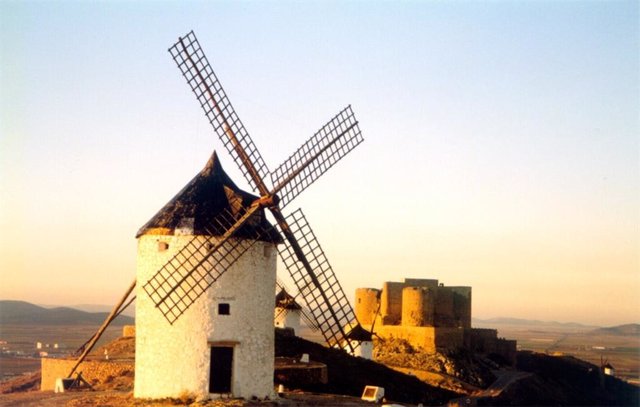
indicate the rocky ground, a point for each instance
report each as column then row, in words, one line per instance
column 123, row 348
column 459, row 371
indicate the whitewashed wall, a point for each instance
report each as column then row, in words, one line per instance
column 173, row 359
column 364, row 350
column 289, row 318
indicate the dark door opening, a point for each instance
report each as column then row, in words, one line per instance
column 220, row 369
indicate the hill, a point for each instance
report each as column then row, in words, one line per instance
column 526, row 323
column 129, row 311
column 24, row 313
column 619, row 330
column 348, row 375
column 564, row 381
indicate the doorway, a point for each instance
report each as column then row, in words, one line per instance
column 220, row 369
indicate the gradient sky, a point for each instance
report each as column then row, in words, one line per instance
column 501, row 141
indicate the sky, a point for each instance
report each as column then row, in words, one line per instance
column 501, row 141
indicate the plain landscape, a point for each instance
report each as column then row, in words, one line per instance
column 29, row 332
column 618, row 345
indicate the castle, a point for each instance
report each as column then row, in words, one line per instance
column 430, row 316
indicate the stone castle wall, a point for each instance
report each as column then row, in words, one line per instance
column 129, row 331
column 173, row 359
column 508, row 349
column 426, row 304
column 444, row 308
column 421, row 282
column 391, row 303
column 94, row 372
column 486, row 341
column 462, row 306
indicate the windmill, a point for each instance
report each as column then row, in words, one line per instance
column 213, row 238
column 289, row 312
column 184, row 278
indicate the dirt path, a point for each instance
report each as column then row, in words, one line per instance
column 504, row 380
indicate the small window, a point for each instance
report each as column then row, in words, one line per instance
column 162, row 246
column 224, row 309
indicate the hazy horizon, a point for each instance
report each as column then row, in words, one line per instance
column 501, row 146
column 130, row 312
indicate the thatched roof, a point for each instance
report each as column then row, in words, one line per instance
column 207, row 195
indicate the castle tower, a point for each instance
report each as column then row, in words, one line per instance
column 224, row 343
column 367, row 305
column 417, row 306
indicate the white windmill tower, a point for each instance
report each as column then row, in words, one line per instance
column 206, row 261
column 228, row 327
column 288, row 312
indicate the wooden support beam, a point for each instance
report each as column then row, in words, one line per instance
column 114, row 313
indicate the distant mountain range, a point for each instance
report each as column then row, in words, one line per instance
column 620, row 330
column 534, row 324
column 24, row 313
column 527, row 322
column 130, row 311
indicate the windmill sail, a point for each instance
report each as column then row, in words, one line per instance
column 180, row 282
column 216, row 105
column 184, row 278
column 305, row 314
column 320, row 290
column 321, row 152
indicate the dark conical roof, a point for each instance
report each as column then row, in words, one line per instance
column 201, row 200
column 286, row 301
column 358, row 333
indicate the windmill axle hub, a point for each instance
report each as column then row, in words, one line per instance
column 268, row 201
